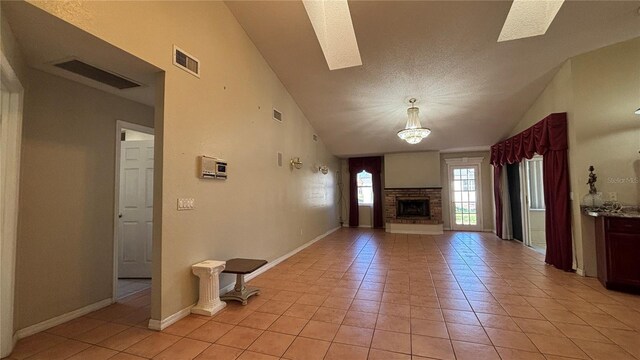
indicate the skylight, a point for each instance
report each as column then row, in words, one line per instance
column 529, row 18
column 331, row 21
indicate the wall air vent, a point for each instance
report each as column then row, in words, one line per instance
column 277, row 115
column 185, row 61
column 83, row 69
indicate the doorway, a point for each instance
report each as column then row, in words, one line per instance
column 465, row 194
column 533, row 206
column 134, row 209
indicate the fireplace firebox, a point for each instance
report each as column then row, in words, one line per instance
column 413, row 208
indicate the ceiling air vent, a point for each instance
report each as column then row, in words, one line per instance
column 186, row 62
column 83, row 69
column 277, row 115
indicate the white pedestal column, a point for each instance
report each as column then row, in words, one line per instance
column 209, row 273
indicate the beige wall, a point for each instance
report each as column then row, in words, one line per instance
column 414, row 169
column 10, row 48
column 487, row 188
column 65, row 235
column 599, row 90
column 262, row 210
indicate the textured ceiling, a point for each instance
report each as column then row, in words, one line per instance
column 471, row 89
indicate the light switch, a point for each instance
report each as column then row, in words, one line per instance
column 186, row 203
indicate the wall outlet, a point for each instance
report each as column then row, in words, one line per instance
column 186, row 203
column 613, row 196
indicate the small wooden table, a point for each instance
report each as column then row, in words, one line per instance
column 241, row 267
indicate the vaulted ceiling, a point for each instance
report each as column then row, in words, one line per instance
column 471, row 90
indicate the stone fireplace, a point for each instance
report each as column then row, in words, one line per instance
column 413, row 210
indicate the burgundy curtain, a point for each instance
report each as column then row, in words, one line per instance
column 549, row 139
column 372, row 165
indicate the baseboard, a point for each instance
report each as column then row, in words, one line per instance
column 163, row 324
column 48, row 324
column 277, row 261
column 168, row 321
column 365, row 226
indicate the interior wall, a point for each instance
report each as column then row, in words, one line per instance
column 12, row 54
column 599, row 90
column 412, row 169
column 487, row 188
column 65, row 234
column 261, row 210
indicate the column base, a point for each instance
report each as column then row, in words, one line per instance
column 208, row 311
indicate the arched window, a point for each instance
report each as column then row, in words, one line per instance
column 365, row 188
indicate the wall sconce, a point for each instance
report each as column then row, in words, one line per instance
column 324, row 169
column 296, row 163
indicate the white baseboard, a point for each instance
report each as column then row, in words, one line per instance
column 163, row 324
column 365, row 226
column 277, row 261
column 48, row 324
column 166, row 322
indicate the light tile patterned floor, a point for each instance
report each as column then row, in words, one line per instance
column 361, row 294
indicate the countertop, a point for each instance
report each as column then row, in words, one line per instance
column 625, row 212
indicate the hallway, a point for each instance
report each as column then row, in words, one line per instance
column 363, row 294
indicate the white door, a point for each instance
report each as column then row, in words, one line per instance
column 534, row 225
column 465, row 190
column 135, row 221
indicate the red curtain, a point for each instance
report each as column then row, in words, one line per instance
column 549, row 139
column 372, row 165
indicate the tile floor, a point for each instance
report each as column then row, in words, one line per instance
column 128, row 287
column 361, row 294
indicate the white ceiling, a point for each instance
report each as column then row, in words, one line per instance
column 472, row 90
column 40, row 36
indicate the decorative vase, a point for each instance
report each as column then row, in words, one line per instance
column 593, row 200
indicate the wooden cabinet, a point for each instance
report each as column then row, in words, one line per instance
column 618, row 252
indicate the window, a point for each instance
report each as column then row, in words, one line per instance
column 536, row 189
column 365, row 188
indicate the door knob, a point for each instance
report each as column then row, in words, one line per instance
column 119, row 215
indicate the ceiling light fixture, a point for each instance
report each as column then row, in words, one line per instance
column 413, row 132
column 529, row 18
column 331, row 21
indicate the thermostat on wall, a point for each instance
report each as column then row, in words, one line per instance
column 212, row 168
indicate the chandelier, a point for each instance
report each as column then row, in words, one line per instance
column 413, row 132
